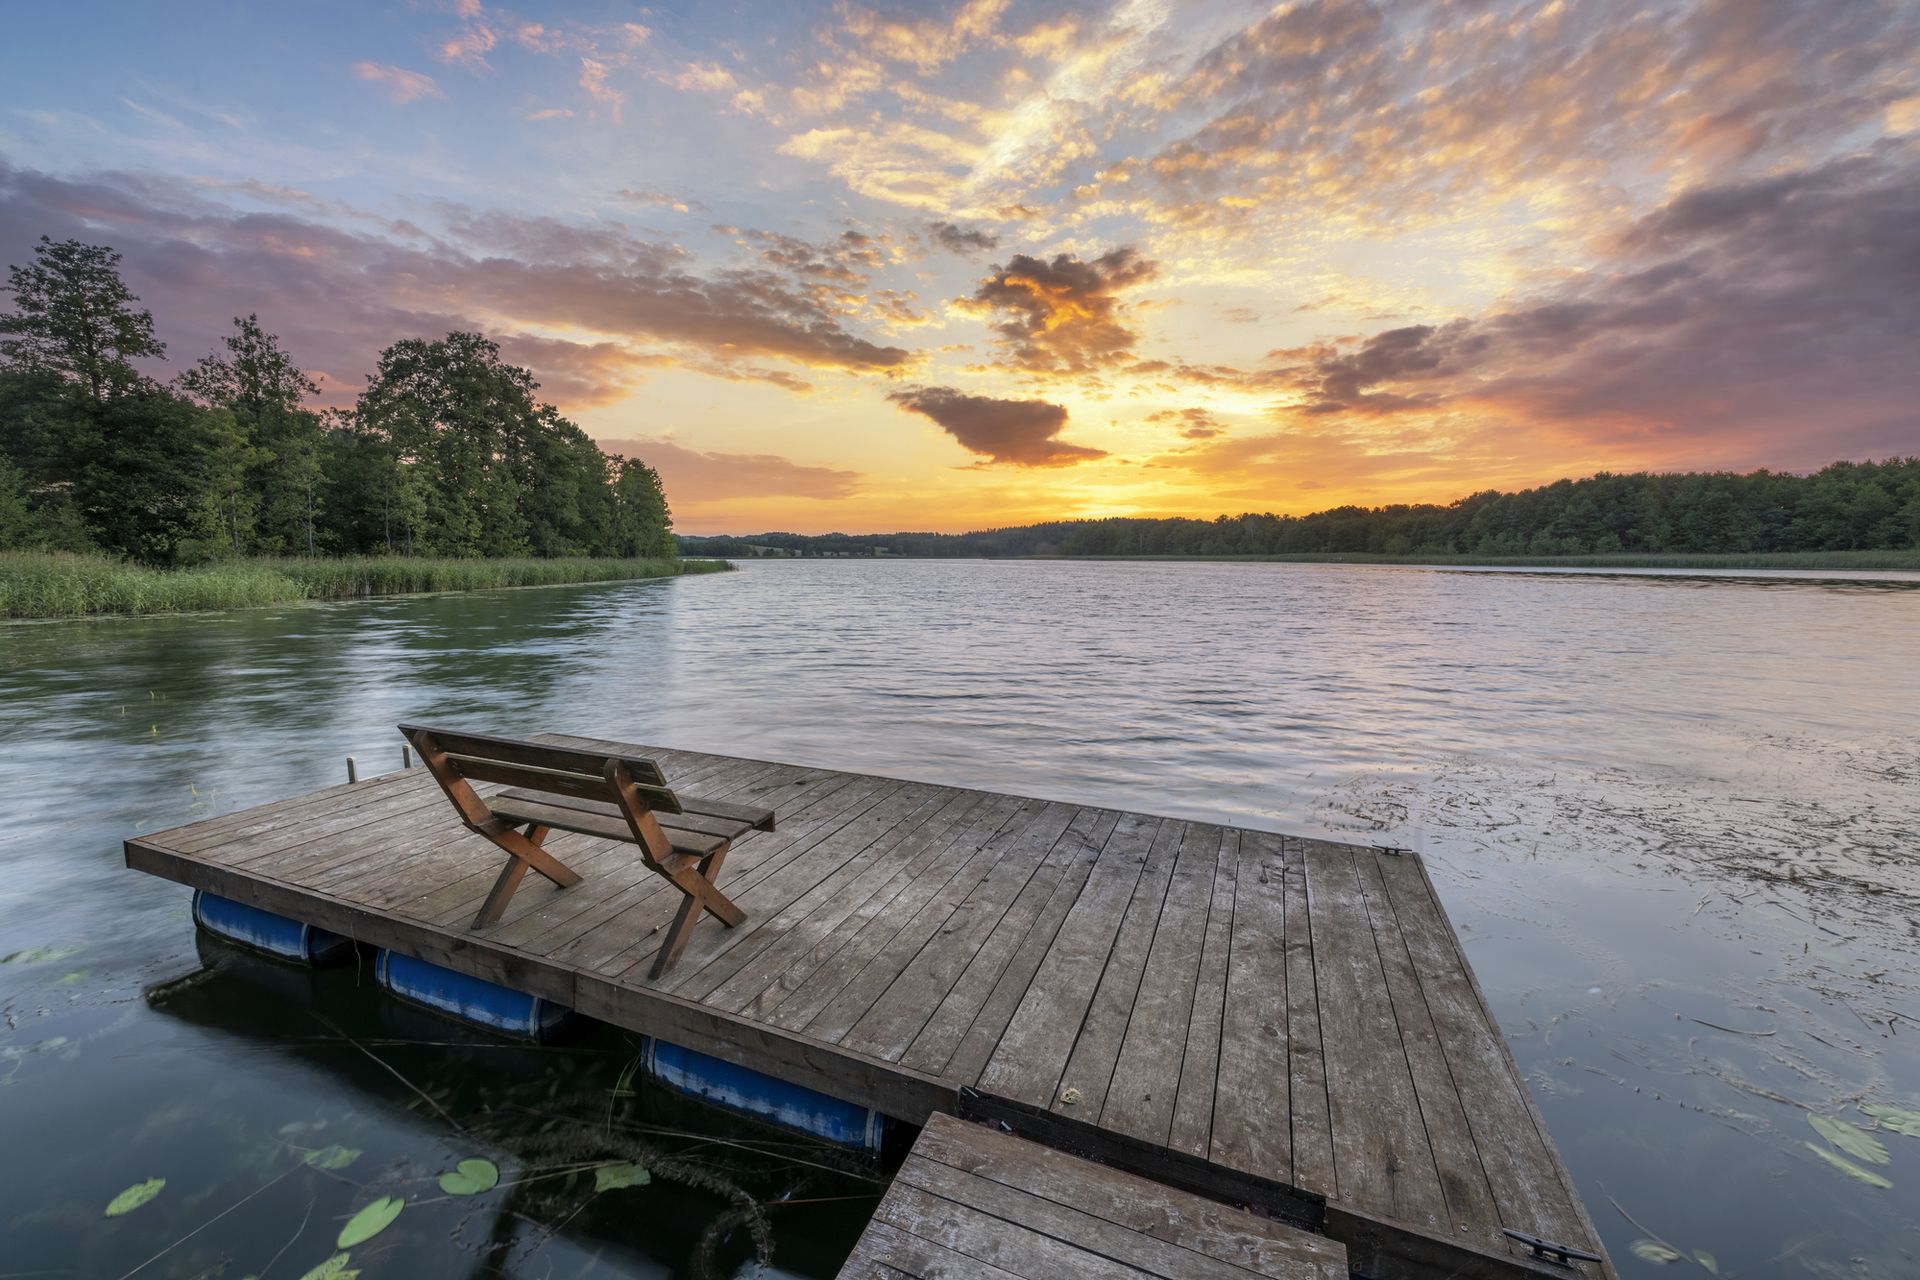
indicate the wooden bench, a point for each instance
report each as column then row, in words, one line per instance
column 615, row 797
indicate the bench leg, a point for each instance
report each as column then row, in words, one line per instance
column 701, row 897
column 523, row 851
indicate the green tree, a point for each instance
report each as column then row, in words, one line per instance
column 151, row 484
column 264, row 389
column 642, row 522
column 460, row 415
column 75, row 318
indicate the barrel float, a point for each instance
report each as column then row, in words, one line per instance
column 475, row 1000
column 751, row 1093
column 264, row 931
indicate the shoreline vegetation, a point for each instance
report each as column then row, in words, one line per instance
column 37, row 585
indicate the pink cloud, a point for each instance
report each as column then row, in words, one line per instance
column 400, row 84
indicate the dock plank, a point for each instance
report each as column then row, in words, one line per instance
column 1028, row 1211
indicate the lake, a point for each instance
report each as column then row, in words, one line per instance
column 1676, row 818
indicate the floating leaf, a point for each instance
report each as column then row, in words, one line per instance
column 1848, row 1167
column 470, row 1178
column 334, row 1268
column 1707, row 1260
column 1654, row 1251
column 612, row 1177
column 333, row 1157
column 1850, row 1138
column 370, row 1221
column 1894, row 1118
column 135, row 1196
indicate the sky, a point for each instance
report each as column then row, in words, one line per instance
column 962, row 265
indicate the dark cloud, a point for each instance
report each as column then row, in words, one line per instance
column 1194, row 423
column 339, row 295
column 1021, row 432
column 693, row 475
column 958, row 239
column 1761, row 322
column 1063, row 315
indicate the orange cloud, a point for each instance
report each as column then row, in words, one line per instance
column 1064, row 315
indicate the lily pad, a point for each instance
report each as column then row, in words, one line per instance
column 1850, row 1138
column 612, row 1177
column 370, row 1221
column 333, row 1157
column 470, row 1178
column 1848, row 1167
column 1654, row 1251
column 1895, row 1118
column 134, row 1196
column 334, row 1268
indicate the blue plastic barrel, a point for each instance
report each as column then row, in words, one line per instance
column 475, row 1000
column 264, row 931
column 747, row 1091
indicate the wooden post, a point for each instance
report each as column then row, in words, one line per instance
column 353, row 770
column 406, row 757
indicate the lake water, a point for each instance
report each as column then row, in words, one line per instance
column 1676, row 818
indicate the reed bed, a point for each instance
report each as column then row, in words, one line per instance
column 60, row 585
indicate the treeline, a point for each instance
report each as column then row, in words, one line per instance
column 1849, row 506
column 446, row 453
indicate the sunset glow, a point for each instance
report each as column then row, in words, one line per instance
column 954, row 266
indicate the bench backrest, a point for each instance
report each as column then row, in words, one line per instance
column 456, row 756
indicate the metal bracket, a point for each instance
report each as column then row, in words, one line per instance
column 1560, row 1255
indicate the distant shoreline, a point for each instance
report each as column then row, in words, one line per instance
column 49, row 586
column 1899, row 561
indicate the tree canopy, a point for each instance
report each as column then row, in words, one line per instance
column 447, row 451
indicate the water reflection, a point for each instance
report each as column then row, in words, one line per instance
column 1674, row 818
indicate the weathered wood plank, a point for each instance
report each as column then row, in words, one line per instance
column 910, row 1000
column 1026, row 1063
column 843, row 956
column 1382, row 1161
column 1146, row 1075
column 1089, row 1069
column 1528, row 1184
column 1310, row 1117
column 1135, row 1204
column 1463, row 1178
column 1193, row 1109
column 1017, row 941
column 838, row 1015
column 1252, row 1093
column 885, row 1252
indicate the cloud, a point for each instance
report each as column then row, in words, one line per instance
column 1020, row 432
column 1194, row 423
column 1062, row 316
column 692, row 475
column 957, row 239
column 659, row 199
column 400, row 84
column 593, row 79
column 470, row 45
column 1763, row 321
column 587, row 301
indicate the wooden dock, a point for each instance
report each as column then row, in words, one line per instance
column 971, row 1202
column 1259, row 1019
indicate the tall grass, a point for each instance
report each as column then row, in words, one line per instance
column 58, row 585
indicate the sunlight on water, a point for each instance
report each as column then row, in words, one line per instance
column 1675, row 818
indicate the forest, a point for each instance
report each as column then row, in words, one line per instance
column 446, row 453
column 1848, row 506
